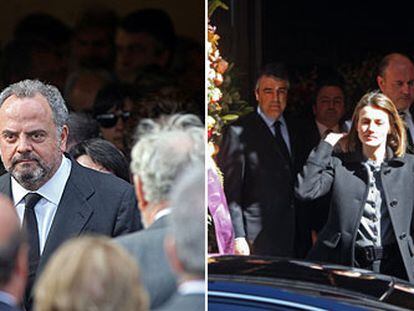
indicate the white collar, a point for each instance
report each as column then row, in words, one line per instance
column 270, row 121
column 192, row 287
column 52, row 190
column 162, row 213
column 322, row 128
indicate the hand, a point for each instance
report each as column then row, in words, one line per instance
column 333, row 138
column 241, row 247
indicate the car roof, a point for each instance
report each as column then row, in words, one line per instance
column 311, row 278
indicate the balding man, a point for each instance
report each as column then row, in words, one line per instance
column 13, row 257
column 396, row 80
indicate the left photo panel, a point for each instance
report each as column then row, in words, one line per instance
column 102, row 144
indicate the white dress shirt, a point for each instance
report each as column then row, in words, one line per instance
column 51, row 193
column 283, row 127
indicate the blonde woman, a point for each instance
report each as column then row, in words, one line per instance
column 370, row 180
column 90, row 273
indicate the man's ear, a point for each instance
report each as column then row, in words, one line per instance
column 139, row 192
column 64, row 138
column 171, row 252
column 381, row 83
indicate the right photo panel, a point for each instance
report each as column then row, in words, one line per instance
column 310, row 165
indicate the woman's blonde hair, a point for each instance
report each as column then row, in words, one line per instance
column 90, row 273
column 396, row 139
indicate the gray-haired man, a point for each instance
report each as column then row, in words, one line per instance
column 164, row 150
column 55, row 197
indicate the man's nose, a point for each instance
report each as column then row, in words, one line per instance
column 405, row 89
column 24, row 145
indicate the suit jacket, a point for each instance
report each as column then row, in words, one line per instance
column 185, row 302
column 147, row 247
column 410, row 141
column 258, row 182
column 92, row 202
column 345, row 175
column 6, row 307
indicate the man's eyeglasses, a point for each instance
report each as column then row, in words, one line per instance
column 108, row 120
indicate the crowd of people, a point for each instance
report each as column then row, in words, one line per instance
column 102, row 147
column 321, row 186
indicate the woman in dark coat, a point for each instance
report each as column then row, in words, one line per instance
column 371, row 180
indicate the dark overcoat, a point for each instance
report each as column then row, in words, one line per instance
column 345, row 175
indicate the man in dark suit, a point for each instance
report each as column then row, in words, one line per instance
column 396, row 80
column 328, row 116
column 257, row 158
column 54, row 196
column 159, row 156
column 185, row 244
column 13, row 257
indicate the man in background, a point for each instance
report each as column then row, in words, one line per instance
column 144, row 37
column 257, row 157
column 396, row 80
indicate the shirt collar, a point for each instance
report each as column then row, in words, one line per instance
column 192, row 287
column 270, row 121
column 52, row 190
column 322, row 128
column 162, row 213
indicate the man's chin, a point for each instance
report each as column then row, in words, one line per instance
column 403, row 104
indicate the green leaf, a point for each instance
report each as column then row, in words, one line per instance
column 230, row 117
column 214, row 4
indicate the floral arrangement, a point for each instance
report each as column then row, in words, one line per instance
column 223, row 99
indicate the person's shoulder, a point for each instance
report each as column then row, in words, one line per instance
column 184, row 302
column 130, row 239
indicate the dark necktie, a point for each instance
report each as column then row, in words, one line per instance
column 280, row 141
column 30, row 224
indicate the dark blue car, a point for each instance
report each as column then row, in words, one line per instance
column 265, row 283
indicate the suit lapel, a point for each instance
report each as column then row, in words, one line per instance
column 73, row 211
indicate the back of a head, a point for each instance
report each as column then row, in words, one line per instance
column 104, row 153
column 188, row 220
column 164, row 149
column 99, row 275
